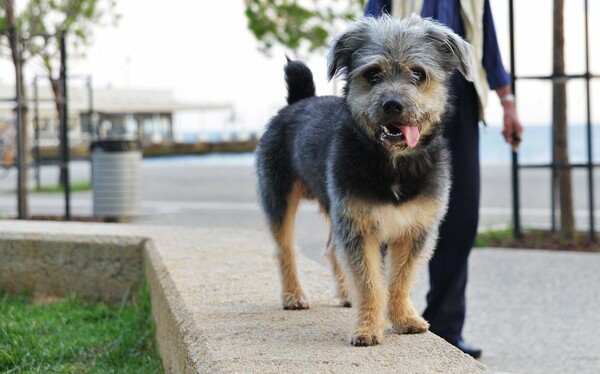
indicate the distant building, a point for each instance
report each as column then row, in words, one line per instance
column 147, row 115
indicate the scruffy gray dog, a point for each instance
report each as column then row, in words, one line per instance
column 374, row 159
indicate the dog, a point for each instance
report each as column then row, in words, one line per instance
column 374, row 159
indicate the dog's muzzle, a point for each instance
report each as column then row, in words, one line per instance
column 393, row 131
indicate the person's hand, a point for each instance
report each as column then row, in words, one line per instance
column 512, row 130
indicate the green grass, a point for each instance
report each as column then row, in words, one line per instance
column 491, row 237
column 536, row 239
column 75, row 187
column 73, row 336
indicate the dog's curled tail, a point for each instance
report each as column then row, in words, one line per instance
column 299, row 80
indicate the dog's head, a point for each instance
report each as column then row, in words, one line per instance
column 396, row 76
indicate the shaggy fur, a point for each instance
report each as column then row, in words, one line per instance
column 374, row 159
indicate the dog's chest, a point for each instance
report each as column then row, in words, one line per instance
column 391, row 221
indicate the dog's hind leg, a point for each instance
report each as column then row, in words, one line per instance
column 405, row 257
column 336, row 268
column 283, row 232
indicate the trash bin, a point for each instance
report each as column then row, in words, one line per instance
column 116, row 178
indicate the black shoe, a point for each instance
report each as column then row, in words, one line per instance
column 468, row 349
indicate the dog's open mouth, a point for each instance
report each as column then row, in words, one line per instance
column 399, row 132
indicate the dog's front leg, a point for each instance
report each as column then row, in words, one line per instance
column 405, row 257
column 362, row 259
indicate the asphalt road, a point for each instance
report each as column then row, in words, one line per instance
column 220, row 192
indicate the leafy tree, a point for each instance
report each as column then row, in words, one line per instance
column 39, row 24
column 299, row 25
column 76, row 18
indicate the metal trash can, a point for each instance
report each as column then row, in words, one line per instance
column 116, row 178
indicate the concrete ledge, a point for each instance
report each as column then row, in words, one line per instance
column 55, row 265
column 215, row 299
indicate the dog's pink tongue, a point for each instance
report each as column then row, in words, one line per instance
column 411, row 134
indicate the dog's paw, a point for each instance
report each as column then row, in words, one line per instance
column 366, row 336
column 411, row 325
column 293, row 302
column 365, row 340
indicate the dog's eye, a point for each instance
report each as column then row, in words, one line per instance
column 373, row 75
column 419, row 75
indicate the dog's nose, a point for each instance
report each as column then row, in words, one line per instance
column 392, row 106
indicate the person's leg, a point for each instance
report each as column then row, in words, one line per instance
column 448, row 268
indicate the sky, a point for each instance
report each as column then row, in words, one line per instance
column 203, row 52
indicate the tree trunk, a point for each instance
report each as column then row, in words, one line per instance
column 56, row 90
column 23, row 142
column 559, row 118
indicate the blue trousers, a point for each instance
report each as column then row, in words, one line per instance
column 446, row 304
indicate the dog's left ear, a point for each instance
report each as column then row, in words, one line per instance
column 455, row 49
column 339, row 58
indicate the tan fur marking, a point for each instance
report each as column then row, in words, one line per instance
column 368, row 294
column 336, row 268
column 388, row 222
column 409, row 218
column 293, row 297
column 402, row 265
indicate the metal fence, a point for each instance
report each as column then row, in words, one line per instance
column 589, row 166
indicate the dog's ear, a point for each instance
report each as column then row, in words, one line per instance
column 454, row 49
column 339, row 58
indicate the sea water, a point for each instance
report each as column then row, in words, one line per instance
column 536, row 145
column 534, row 149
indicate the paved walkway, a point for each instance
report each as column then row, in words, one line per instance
column 533, row 311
